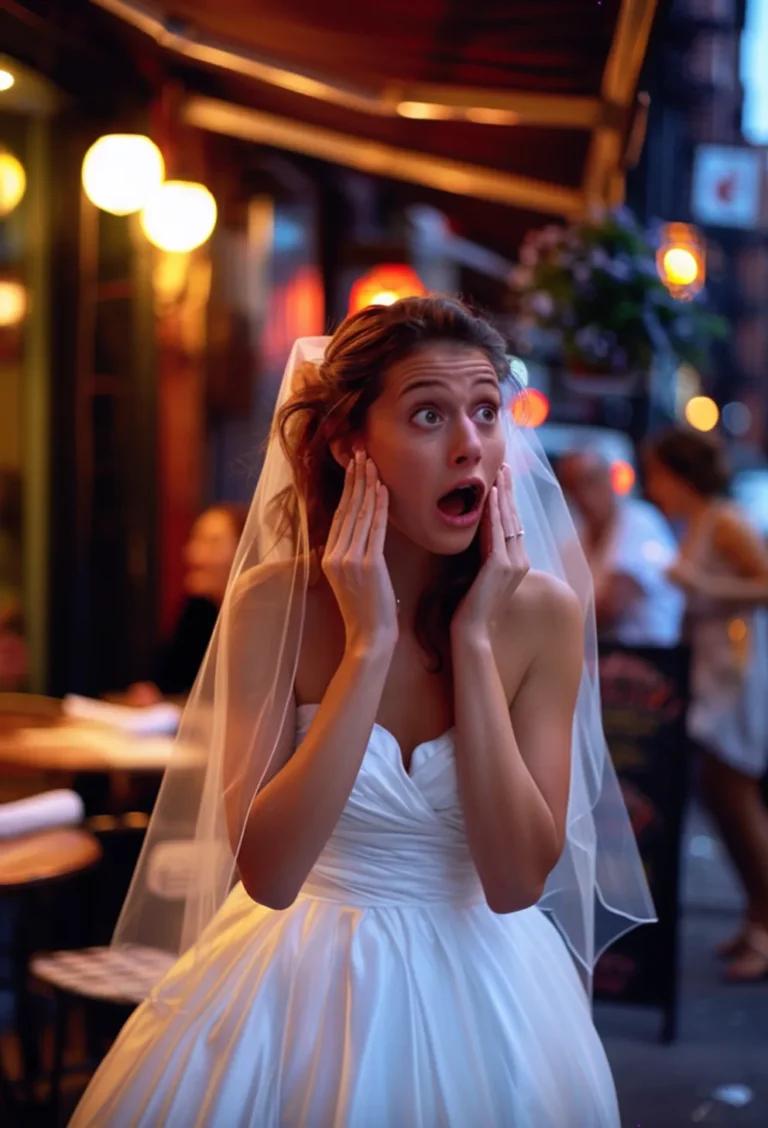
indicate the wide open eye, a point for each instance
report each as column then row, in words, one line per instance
column 427, row 417
column 488, row 413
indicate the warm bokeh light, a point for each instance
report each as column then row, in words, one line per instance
column 702, row 413
column 681, row 260
column 13, row 303
column 384, row 285
column 424, row 111
column 680, row 266
column 122, row 171
column 6, row 79
column 530, row 408
column 622, row 477
column 13, row 182
column 737, row 631
column 180, row 216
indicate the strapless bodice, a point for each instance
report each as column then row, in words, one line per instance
column 400, row 837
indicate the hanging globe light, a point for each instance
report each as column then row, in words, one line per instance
column 13, row 181
column 121, row 171
column 180, row 216
column 14, row 303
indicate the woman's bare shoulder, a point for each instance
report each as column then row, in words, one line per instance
column 272, row 580
column 543, row 612
column 545, row 598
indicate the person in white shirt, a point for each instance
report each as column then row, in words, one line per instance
column 629, row 547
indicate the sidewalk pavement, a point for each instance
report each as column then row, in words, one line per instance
column 716, row 1073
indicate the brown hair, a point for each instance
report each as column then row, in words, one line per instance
column 332, row 403
column 698, row 458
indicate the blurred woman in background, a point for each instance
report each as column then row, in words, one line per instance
column 723, row 568
column 208, row 557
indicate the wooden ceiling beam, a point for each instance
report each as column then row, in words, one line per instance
column 377, row 159
column 603, row 182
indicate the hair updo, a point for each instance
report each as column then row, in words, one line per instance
column 697, row 458
column 332, row 401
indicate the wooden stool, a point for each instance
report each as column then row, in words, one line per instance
column 31, row 866
column 108, row 983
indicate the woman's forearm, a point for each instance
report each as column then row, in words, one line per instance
column 510, row 829
column 292, row 818
column 737, row 591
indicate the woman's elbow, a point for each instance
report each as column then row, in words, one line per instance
column 516, row 892
column 266, row 891
column 514, row 898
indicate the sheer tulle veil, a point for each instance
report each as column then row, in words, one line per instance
column 236, row 716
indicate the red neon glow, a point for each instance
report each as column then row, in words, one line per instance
column 530, row 408
column 384, row 285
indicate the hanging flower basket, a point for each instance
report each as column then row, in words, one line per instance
column 592, row 292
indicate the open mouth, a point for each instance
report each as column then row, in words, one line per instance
column 461, row 502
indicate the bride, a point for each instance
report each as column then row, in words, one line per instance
column 394, row 879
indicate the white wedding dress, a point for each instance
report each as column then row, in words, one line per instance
column 388, row 996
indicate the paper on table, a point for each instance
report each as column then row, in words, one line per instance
column 118, row 750
column 40, row 812
column 152, row 720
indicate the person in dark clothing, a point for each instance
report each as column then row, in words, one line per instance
column 208, row 557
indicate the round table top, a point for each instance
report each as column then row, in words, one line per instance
column 62, row 745
column 45, row 855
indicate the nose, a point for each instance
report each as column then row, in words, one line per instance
column 466, row 447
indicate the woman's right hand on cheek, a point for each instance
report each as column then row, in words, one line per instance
column 353, row 561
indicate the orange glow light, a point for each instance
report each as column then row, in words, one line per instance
column 530, row 408
column 622, row 477
column 702, row 413
column 384, row 285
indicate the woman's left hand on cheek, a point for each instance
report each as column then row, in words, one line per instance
column 505, row 562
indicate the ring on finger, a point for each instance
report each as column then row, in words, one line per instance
column 514, row 536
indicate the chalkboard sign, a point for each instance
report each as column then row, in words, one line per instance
column 645, row 700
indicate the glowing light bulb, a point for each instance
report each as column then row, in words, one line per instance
column 122, row 171
column 680, row 266
column 180, row 216
column 13, row 182
column 14, row 303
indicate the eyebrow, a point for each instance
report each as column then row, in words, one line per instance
column 415, row 385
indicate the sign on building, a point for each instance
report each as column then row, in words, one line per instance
column 730, row 186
